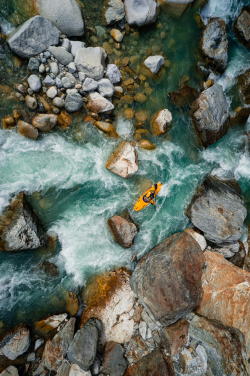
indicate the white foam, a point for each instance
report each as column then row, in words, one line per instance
column 226, row 9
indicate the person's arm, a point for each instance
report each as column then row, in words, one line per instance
column 153, row 202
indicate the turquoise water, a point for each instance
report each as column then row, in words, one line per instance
column 74, row 195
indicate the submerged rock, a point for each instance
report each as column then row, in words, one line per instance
column 19, row 227
column 113, row 73
column 176, row 7
column 82, row 350
column 161, row 121
column 210, row 116
column 27, row 130
column 114, row 363
column 115, row 11
column 34, row 37
column 124, row 231
column 15, row 343
column 140, row 12
column 167, row 281
column 65, row 14
column 214, row 43
column 91, row 60
column 44, row 122
column 218, row 211
column 226, row 294
column 98, row 104
column 154, row 63
column 123, row 161
column 242, row 26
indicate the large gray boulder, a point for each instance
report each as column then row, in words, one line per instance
column 210, row 114
column 218, row 211
column 19, row 227
column 65, row 14
column 91, row 60
column 10, row 371
column 15, row 343
column 167, row 281
column 140, row 12
column 83, row 348
column 214, row 44
column 34, row 37
column 115, row 12
column 242, row 26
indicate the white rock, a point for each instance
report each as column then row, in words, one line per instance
column 115, row 11
column 89, row 85
column 38, row 343
column 55, row 321
column 34, row 82
column 123, row 161
column 91, row 60
column 66, row 43
column 75, row 370
column 64, row 57
column 105, row 87
column 58, row 102
column 99, row 104
column 72, row 67
column 51, row 92
column 140, row 12
column 54, row 68
column 143, row 330
column 75, row 46
column 113, row 73
column 124, row 128
column 198, row 237
column 160, row 122
column 68, row 81
column 81, row 76
column 41, row 68
column 154, row 63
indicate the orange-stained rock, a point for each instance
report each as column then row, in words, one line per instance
column 129, row 113
column 50, row 324
column 177, row 335
column 64, row 120
column 106, row 127
column 226, row 294
column 72, row 303
column 109, row 298
column 161, row 121
column 146, row 144
column 8, row 122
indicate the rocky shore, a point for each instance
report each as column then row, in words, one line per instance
column 183, row 309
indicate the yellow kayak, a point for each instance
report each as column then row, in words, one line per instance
column 141, row 203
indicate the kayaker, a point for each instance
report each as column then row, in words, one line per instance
column 150, row 196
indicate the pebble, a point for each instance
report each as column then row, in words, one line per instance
column 73, row 102
column 31, row 102
column 75, row 45
column 72, row 67
column 34, row 83
column 52, row 92
column 41, row 68
column 58, row 102
column 113, row 73
column 48, row 81
column 33, row 64
column 54, row 68
column 105, row 87
column 116, row 35
column 89, row 85
column 66, row 44
column 68, row 81
column 27, row 130
column 58, row 82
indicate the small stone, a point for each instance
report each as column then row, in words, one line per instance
column 31, row 357
column 64, row 57
column 89, row 85
column 91, row 61
column 21, row 88
column 73, row 102
column 66, row 43
column 33, row 64
column 72, row 67
column 115, row 11
column 58, row 83
column 105, row 127
column 81, row 76
column 68, row 81
column 41, row 68
column 48, row 81
column 116, row 35
column 146, row 144
column 58, row 102
column 105, row 87
column 140, row 97
column 114, row 363
column 99, row 104
column 154, row 63
column 31, row 102
column 54, row 68
column 160, row 122
column 34, row 83
column 140, row 12
column 27, row 130
column 52, row 92
column 113, row 73
column 75, row 46
column 44, row 122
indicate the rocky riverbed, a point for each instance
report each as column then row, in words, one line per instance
column 99, row 101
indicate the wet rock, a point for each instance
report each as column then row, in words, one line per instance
column 154, row 63
column 176, row 7
column 58, row 102
column 33, row 37
column 105, row 87
column 19, row 227
column 10, row 371
column 68, row 81
column 160, row 122
column 65, row 14
column 177, row 335
column 49, row 268
column 146, row 144
column 114, row 363
column 75, row 370
column 15, row 343
column 113, row 73
column 167, row 281
column 218, row 211
column 90, row 60
column 210, row 116
column 64, row 57
column 115, row 12
column 50, row 324
column 53, row 66
column 8, row 122
column 73, row 102
column 109, row 298
column 34, row 83
column 56, row 348
column 244, row 86
column 48, row 81
column 123, row 161
column 64, row 120
column 226, row 294
column 82, row 350
column 75, row 46
column 27, row 130
column 44, row 122
column 242, row 26
column 99, row 104
column 89, row 84
column 140, row 12
column 116, row 35
column 31, row 102
column 105, row 127
column 154, row 364
column 124, row 231
column 214, row 43
column 52, row 92
column 33, row 64
column 185, row 96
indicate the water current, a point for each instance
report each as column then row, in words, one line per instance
column 73, row 194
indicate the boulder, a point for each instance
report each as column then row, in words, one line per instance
column 65, row 14
column 73, row 102
column 44, row 122
column 176, row 7
column 91, row 60
column 218, row 211
column 154, row 364
column 56, row 348
column 98, row 104
column 115, row 11
column 113, row 73
column 105, row 87
column 114, row 363
column 242, row 26
column 244, row 86
column 198, row 237
column 214, row 44
column 75, row 370
column 167, row 281
column 33, row 37
column 109, row 298
column 19, row 227
column 10, row 371
column 140, row 12
column 15, row 343
column 123, row 160
column 27, row 130
column 161, row 121
column 210, row 115
column 154, row 63
column 50, row 324
column 123, row 230
column 82, row 350
column 63, row 56
column 226, row 294
column 34, row 83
